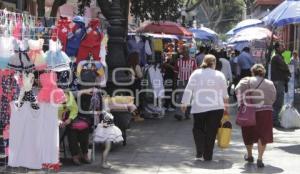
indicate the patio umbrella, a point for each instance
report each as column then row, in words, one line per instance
column 166, row 28
column 245, row 24
column 204, row 33
column 288, row 12
column 163, row 36
column 250, row 34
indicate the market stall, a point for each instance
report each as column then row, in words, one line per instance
column 38, row 66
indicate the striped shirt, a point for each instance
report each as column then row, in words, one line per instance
column 185, row 67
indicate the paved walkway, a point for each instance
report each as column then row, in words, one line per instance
column 166, row 147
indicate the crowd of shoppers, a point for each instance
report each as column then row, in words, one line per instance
column 214, row 75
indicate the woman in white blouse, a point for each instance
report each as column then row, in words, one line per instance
column 206, row 92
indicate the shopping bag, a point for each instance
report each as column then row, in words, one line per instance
column 289, row 117
column 224, row 132
column 246, row 116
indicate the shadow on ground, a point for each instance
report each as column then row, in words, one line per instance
column 268, row 169
column 213, row 165
column 294, row 149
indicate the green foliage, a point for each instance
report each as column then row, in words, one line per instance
column 249, row 5
column 156, row 10
column 233, row 13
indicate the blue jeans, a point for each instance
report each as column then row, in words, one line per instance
column 280, row 88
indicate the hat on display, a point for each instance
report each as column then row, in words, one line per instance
column 78, row 19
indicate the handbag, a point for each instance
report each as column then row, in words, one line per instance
column 224, row 132
column 246, row 115
column 80, row 123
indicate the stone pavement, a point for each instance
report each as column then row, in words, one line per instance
column 166, row 147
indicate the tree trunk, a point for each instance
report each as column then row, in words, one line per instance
column 55, row 6
column 41, row 8
column 117, row 31
column 116, row 12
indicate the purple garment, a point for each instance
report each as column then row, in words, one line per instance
column 139, row 47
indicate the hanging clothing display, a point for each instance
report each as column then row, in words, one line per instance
column 26, row 94
column 31, row 76
column 91, row 42
column 136, row 44
column 6, row 50
column 49, row 92
column 36, row 53
column 75, row 37
column 20, row 61
column 33, row 136
column 17, row 30
column 157, row 82
column 61, row 31
column 158, row 45
column 57, row 60
column 8, row 91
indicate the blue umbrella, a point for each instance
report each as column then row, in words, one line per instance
column 245, row 24
column 204, row 33
column 288, row 12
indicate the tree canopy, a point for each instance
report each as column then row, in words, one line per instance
column 219, row 15
column 156, row 9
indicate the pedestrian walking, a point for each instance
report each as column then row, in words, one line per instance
column 280, row 75
column 262, row 132
column 206, row 93
column 184, row 67
column 296, row 62
column 169, row 77
column 200, row 55
column 245, row 62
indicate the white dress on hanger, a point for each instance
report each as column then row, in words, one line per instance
column 157, row 81
column 34, row 138
column 50, row 133
column 24, row 137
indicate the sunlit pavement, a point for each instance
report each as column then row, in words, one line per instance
column 166, row 146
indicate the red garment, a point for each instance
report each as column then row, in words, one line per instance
column 263, row 129
column 17, row 31
column 185, row 67
column 61, row 32
column 91, row 43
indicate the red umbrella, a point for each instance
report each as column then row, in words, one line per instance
column 166, row 28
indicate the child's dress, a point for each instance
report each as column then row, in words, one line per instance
column 91, row 42
column 57, row 60
column 36, row 53
column 6, row 50
column 50, row 93
column 107, row 132
column 20, row 61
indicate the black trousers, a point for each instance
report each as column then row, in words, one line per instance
column 169, row 86
column 205, row 129
column 78, row 141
